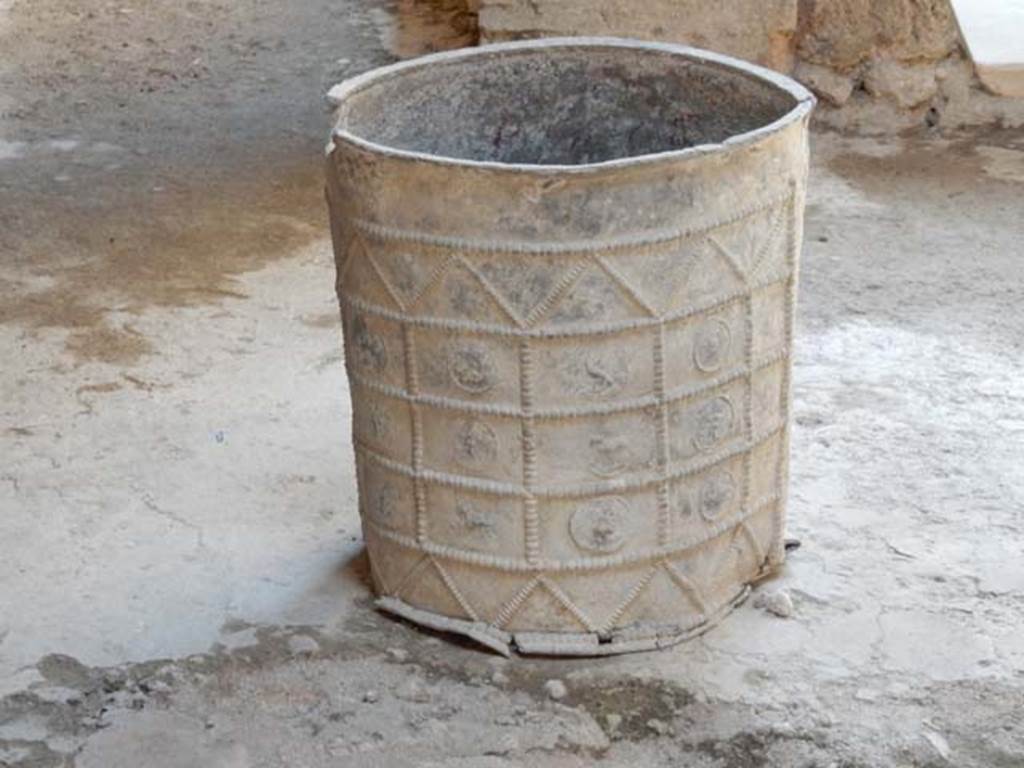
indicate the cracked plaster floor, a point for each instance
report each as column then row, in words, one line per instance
column 182, row 580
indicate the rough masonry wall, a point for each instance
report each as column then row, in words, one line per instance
column 884, row 65
column 878, row 66
column 762, row 32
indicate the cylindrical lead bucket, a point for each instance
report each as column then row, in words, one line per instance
column 567, row 272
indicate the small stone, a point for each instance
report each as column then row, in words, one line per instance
column 784, row 730
column 58, row 694
column 777, row 602
column 866, row 694
column 613, row 721
column 398, row 654
column 337, row 746
column 499, row 678
column 158, row 686
column 370, row 697
column 938, row 741
column 413, row 690
column 897, row 689
column 302, row 645
column 114, row 680
column 660, row 727
column 555, row 689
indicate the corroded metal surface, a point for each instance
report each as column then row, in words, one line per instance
column 569, row 355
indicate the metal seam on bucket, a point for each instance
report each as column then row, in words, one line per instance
column 475, row 558
column 677, row 395
column 632, row 242
column 634, row 482
column 559, row 332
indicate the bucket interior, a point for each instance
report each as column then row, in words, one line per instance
column 569, row 105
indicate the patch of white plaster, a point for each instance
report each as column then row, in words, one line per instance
column 12, row 150
column 63, row 145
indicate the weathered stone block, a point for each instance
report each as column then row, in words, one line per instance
column 834, row 87
column 907, row 85
column 761, row 32
column 843, row 33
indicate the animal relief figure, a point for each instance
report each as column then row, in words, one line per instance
column 476, row 445
column 477, row 528
column 593, row 374
column 370, row 350
column 711, row 346
column 471, row 367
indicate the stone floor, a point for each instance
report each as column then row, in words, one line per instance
column 181, row 576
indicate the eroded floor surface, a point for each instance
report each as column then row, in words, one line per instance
column 182, row 581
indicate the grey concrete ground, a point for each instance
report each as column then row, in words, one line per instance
column 181, row 576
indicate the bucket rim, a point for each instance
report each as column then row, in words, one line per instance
column 345, row 90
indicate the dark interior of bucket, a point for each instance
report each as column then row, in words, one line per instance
column 562, row 106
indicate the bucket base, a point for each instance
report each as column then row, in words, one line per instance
column 561, row 643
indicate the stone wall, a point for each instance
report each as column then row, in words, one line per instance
column 762, row 31
column 883, row 65
column 878, row 66
column 425, row 26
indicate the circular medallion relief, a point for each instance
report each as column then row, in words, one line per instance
column 713, row 421
column 472, row 368
column 474, row 524
column 711, row 345
column 599, row 525
column 716, row 494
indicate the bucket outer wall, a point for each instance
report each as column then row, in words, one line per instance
column 571, row 384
